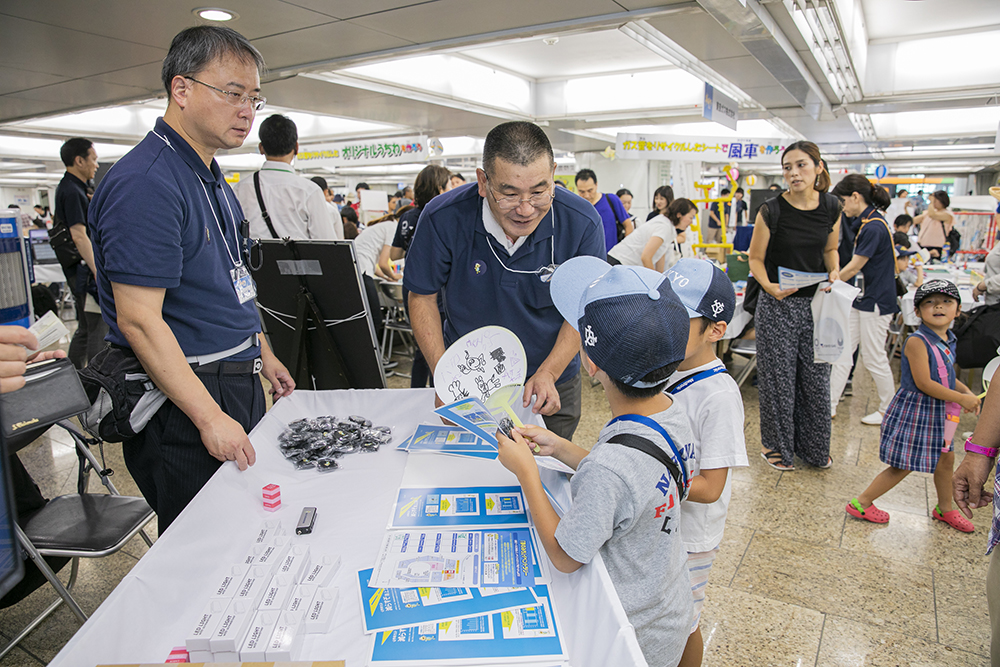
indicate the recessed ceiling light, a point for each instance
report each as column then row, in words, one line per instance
column 216, row 14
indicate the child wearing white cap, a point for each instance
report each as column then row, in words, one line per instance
column 627, row 490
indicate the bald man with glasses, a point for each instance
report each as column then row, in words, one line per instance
column 490, row 249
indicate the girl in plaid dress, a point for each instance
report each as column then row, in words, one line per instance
column 920, row 422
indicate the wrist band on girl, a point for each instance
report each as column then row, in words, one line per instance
column 977, row 449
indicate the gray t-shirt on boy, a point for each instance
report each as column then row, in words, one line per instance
column 626, row 506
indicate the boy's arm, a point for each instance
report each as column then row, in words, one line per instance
column 550, row 444
column 707, row 486
column 516, row 456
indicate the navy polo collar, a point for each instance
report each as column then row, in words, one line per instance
column 75, row 180
column 188, row 154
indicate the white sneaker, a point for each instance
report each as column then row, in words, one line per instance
column 874, row 419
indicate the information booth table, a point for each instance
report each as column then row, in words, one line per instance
column 158, row 602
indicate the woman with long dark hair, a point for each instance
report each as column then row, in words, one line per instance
column 874, row 259
column 794, row 418
column 663, row 196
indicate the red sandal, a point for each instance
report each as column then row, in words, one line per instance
column 870, row 513
column 955, row 519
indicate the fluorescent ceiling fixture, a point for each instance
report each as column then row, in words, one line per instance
column 215, row 14
column 314, row 126
column 937, row 123
column 453, row 77
column 946, row 62
column 754, row 129
column 454, row 146
column 669, row 88
column 48, row 149
column 126, row 120
column 240, row 161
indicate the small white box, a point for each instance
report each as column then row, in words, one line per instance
column 295, row 562
column 201, row 656
column 273, row 553
column 253, row 585
column 277, row 593
column 228, row 636
column 225, row 586
column 321, row 571
column 301, row 596
column 254, row 648
column 286, row 640
column 319, row 615
column 269, row 528
column 208, row 621
column 226, row 656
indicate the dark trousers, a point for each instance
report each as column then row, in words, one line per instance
column 564, row 422
column 168, row 460
column 88, row 339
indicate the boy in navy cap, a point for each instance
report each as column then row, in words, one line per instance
column 627, row 489
column 714, row 406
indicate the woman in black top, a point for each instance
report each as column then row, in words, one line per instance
column 794, row 412
column 663, row 197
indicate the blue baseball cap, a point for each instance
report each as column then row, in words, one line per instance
column 703, row 288
column 629, row 319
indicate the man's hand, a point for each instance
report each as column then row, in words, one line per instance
column 275, row 372
column 516, row 456
column 542, row 385
column 226, row 440
column 969, row 484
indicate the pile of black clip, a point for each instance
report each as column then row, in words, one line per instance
column 316, row 444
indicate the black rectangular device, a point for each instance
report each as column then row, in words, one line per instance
column 306, row 521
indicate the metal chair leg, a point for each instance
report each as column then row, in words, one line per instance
column 51, row 576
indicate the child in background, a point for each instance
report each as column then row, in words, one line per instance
column 628, row 489
column 920, row 423
column 911, row 272
column 714, row 406
column 901, row 235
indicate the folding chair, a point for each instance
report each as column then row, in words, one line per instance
column 395, row 322
column 80, row 525
column 745, row 348
column 897, row 332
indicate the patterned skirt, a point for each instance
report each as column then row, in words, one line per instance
column 913, row 431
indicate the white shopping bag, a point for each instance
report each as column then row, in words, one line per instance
column 831, row 324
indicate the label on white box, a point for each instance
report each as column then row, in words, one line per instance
column 302, row 595
column 225, row 587
column 232, row 627
column 201, row 656
column 208, row 621
column 295, row 562
column 286, row 640
column 268, row 530
column 319, row 615
column 322, row 570
column 277, row 593
column 253, row 585
column 273, row 553
column 254, row 647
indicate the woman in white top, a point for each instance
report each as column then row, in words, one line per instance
column 935, row 224
column 650, row 244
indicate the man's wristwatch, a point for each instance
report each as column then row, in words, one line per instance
column 978, row 449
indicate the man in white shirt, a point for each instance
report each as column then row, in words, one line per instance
column 295, row 207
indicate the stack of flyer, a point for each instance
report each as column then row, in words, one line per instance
column 474, row 432
column 458, row 581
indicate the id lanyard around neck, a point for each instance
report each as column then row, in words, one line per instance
column 686, row 382
column 543, row 272
column 237, row 261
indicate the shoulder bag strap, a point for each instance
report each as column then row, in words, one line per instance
column 650, row 423
column 645, row 446
column 263, row 209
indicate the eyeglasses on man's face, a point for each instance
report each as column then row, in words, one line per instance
column 508, row 202
column 234, row 98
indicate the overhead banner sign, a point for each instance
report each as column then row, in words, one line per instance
column 364, row 152
column 698, row 148
column 719, row 107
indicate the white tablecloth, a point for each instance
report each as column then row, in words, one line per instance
column 155, row 605
column 48, row 273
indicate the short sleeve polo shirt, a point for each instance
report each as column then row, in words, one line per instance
column 161, row 218
column 611, row 210
column 875, row 242
column 453, row 254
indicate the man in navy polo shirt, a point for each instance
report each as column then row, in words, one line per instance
column 172, row 275
column 490, row 248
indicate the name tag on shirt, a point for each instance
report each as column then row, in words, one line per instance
column 244, row 286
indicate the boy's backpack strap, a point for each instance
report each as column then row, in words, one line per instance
column 647, row 447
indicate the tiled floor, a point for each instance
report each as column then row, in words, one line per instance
column 797, row 582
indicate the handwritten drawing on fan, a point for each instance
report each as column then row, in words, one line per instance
column 479, row 363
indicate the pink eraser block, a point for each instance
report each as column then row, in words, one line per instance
column 272, row 506
column 177, row 654
column 271, row 492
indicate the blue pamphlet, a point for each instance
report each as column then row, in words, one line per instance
column 388, row 608
column 460, row 506
column 792, row 279
column 449, row 440
column 474, row 416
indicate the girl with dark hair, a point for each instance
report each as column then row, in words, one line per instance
column 663, row 196
column 802, row 233
column 935, row 224
column 652, row 244
column 874, row 259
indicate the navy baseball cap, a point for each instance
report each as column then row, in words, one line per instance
column 703, row 288
column 904, row 252
column 945, row 287
column 629, row 319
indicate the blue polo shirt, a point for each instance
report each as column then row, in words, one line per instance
column 875, row 242
column 153, row 225
column 608, row 206
column 452, row 253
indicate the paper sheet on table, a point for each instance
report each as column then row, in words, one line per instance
column 792, row 279
column 459, row 506
column 438, row 438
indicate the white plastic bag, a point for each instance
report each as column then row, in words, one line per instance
column 831, row 324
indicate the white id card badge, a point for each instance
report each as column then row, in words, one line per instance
column 245, row 288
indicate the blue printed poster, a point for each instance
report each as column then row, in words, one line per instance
column 459, row 506
column 448, row 440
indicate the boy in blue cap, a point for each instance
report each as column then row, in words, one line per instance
column 714, row 405
column 627, row 489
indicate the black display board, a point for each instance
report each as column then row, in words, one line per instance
column 299, row 284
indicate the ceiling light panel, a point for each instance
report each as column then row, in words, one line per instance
column 662, row 89
column 976, row 121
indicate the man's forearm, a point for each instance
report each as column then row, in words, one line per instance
column 83, row 245
column 566, row 347
column 425, row 319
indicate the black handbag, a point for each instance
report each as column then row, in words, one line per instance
column 121, row 397
column 978, row 337
column 51, row 391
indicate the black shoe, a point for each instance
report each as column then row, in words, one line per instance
column 849, row 388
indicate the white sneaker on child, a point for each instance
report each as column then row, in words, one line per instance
column 874, row 419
